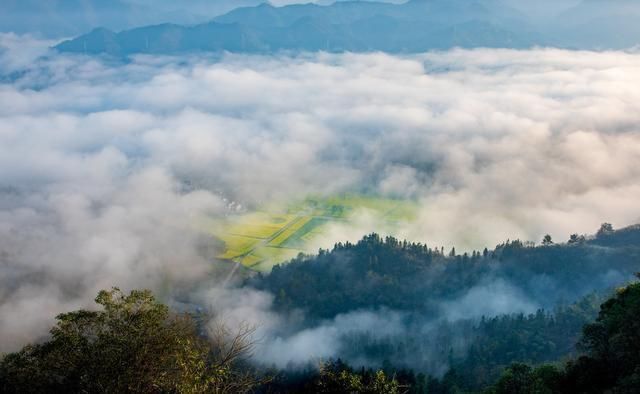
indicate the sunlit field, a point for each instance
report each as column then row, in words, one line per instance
column 276, row 233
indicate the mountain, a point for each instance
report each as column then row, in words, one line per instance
column 64, row 18
column 601, row 24
column 418, row 25
column 588, row 10
column 384, row 272
column 477, row 312
column 415, row 26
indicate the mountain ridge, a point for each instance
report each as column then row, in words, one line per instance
column 415, row 26
column 345, row 26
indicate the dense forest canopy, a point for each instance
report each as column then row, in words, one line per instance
column 385, row 272
column 151, row 348
column 135, row 345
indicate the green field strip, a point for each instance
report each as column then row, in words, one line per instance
column 278, row 232
column 292, row 228
column 238, row 244
column 249, row 261
column 272, row 256
column 257, row 239
column 251, row 230
column 310, row 236
column 269, row 252
column 268, row 256
column 284, row 248
column 296, row 240
column 263, row 266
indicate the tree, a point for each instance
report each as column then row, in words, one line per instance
column 605, row 228
column 515, row 380
column 522, row 379
column 612, row 345
column 576, row 239
column 547, row 240
column 336, row 377
column 133, row 344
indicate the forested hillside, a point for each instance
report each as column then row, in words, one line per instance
column 385, row 272
column 467, row 315
column 518, row 317
column 135, row 344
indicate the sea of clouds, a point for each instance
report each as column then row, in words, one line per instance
column 106, row 166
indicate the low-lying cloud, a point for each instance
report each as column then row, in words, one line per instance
column 105, row 167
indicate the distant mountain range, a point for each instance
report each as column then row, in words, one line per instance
column 415, row 26
column 67, row 18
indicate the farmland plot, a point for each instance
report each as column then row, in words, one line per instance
column 276, row 234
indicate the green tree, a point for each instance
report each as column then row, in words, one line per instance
column 611, row 362
column 133, row 344
column 522, row 379
column 605, row 228
column 612, row 345
column 576, row 239
column 338, row 378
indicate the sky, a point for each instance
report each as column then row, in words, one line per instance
column 106, row 166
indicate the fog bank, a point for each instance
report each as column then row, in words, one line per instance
column 105, row 167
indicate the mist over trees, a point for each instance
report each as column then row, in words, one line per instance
column 610, row 362
column 132, row 344
column 465, row 315
column 386, row 272
column 135, row 344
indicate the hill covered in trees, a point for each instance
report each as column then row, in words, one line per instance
column 385, row 272
column 470, row 314
column 135, row 344
column 518, row 318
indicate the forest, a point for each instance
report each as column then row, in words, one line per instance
column 585, row 336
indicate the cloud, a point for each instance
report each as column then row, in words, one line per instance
column 105, row 167
column 62, row 246
column 285, row 339
column 20, row 51
column 494, row 298
column 325, row 341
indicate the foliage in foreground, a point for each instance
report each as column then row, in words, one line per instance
column 134, row 344
column 335, row 376
column 611, row 362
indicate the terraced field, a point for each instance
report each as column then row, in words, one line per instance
column 275, row 234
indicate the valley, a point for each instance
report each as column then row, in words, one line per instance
column 278, row 232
